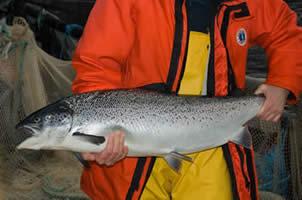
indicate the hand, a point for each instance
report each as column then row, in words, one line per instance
column 113, row 152
column 275, row 100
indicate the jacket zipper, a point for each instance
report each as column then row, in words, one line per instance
column 244, row 12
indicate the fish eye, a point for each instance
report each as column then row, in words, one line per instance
column 48, row 117
column 37, row 120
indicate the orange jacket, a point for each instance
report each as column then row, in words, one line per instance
column 136, row 43
column 129, row 44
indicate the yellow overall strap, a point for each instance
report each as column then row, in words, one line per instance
column 194, row 80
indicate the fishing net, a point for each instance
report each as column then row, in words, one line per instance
column 278, row 157
column 31, row 79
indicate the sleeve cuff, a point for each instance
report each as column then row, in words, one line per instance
column 294, row 94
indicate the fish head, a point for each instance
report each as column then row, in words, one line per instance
column 45, row 125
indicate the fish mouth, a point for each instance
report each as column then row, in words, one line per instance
column 29, row 134
column 28, row 130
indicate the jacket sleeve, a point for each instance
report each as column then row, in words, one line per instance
column 104, row 47
column 275, row 28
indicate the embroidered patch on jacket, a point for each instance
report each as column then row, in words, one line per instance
column 241, row 36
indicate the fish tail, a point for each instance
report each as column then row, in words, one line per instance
column 243, row 137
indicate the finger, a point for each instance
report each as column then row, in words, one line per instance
column 265, row 105
column 123, row 150
column 88, row 156
column 115, row 148
column 260, row 112
column 272, row 111
column 109, row 149
column 120, row 147
column 273, row 115
column 270, row 117
column 265, row 117
column 102, row 157
column 122, row 143
column 264, row 110
column 260, row 90
column 277, row 118
column 99, row 159
column 122, row 156
column 267, row 109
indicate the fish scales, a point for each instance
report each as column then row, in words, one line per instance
column 145, row 114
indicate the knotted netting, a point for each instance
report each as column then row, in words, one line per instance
column 29, row 80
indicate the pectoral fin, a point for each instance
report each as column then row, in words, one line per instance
column 90, row 138
column 180, row 156
column 174, row 160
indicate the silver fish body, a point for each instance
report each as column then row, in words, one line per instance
column 155, row 124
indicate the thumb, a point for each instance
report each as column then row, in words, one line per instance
column 88, row 156
column 260, row 90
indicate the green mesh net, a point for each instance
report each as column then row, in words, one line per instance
column 29, row 80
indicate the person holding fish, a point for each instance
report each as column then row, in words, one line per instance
column 184, row 47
